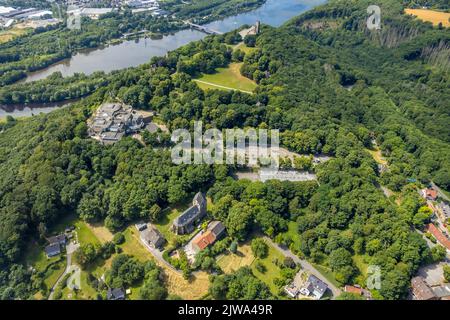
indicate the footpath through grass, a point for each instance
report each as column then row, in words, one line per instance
column 227, row 79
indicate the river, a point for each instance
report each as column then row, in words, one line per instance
column 132, row 53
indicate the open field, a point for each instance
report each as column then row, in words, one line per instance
column 101, row 232
column 243, row 47
column 228, row 79
column 231, row 262
column 6, row 35
column 432, row 16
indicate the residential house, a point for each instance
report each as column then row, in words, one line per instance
column 55, row 243
column 60, row 239
column 215, row 230
column 356, row 289
column 292, row 290
column 421, row 290
column 315, row 287
column 429, row 194
column 52, row 250
column 115, row 294
column 152, row 237
column 443, row 240
column 185, row 223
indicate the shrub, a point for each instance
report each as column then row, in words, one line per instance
column 259, row 248
column 119, row 238
column 260, row 267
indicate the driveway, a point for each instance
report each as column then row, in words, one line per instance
column 70, row 249
column 305, row 265
column 159, row 256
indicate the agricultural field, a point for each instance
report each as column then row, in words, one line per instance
column 7, row 35
column 432, row 16
column 228, row 79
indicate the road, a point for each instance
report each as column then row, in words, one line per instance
column 70, row 249
column 306, row 266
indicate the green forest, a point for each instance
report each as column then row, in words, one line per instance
column 326, row 82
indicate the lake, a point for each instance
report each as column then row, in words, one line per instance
column 132, row 53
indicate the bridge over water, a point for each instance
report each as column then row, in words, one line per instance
column 202, row 28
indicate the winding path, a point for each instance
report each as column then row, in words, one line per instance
column 222, row 87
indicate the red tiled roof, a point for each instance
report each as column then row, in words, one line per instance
column 431, row 193
column 353, row 289
column 439, row 235
column 205, row 240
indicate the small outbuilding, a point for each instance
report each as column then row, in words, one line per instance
column 115, row 294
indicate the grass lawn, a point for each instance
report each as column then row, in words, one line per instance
column 273, row 271
column 53, row 273
column 376, row 154
column 36, row 257
column 432, row 16
column 86, row 292
column 231, row 262
column 228, row 79
column 243, row 47
column 85, row 234
column 84, row 231
column 293, row 234
column 164, row 224
column 362, row 265
column 17, row 118
column 100, row 232
column 327, row 273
